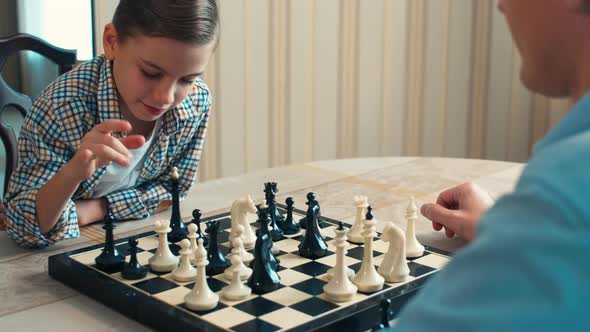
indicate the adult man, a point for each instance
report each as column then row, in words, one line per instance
column 527, row 266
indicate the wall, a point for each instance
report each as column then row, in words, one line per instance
column 301, row 80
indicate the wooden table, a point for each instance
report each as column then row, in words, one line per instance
column 32, row 300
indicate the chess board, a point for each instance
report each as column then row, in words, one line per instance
column 298, row 305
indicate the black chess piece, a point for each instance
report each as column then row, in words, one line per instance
column 313, row 244
column 133, row 270
column 289, row 226
column 310, row 201
column 197, row 221
column 178, row 229
column 264, row 221
column 270, row 188
column 217, row 262
column 110, row 259
column 385, row 312
column 264, row 278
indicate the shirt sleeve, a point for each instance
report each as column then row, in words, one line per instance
column 141, row 201
column 41, row 155
column 526, row 271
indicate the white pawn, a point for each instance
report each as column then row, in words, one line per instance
column 236, row 290
column 355, row 235
column 367, row 279
column 413, row 247
column 185, row 271
column 238, row 246
column 163, row 260
column 201, row 297
column 394, row 267
column 339, row 288
column 192, row 236
column 245, row 272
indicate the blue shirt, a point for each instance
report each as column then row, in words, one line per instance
column 53, row 130
column 529, row 267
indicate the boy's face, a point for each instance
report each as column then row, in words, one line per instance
column 153, row 74
column 544, row 32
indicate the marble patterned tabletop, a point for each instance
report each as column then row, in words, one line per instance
column 32, row 300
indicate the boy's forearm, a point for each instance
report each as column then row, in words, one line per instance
column 52, row 197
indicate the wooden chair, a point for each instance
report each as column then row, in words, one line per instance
column 10, row 99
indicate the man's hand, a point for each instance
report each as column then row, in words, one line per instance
column 458, row 210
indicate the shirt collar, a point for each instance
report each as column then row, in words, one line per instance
column 575, row 121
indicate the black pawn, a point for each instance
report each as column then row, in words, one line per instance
column 264, row 278
column 264, row 221
column 385, row 308
column 178, row 229
column 289, row 226
column 310, row 201
column 217, row 262
column 313, row 245
column 110, row 259
column 197, row 221
column 369, row 215
column 270, row 188
column 133, row 270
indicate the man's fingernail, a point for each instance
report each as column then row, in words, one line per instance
column 425, row 210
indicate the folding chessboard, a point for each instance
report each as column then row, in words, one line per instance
column 298, row 305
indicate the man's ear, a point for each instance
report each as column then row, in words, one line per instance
column 110, row 41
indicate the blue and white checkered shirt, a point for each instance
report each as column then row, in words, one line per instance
column 53, row 130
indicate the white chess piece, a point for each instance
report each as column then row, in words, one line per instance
column 192, row 236
column 367, row 279
column 163, row 260
column 413, row 247
column 245, row 272
column 201, row 297
column 185, row 271
column 394, row 267
column 239, row 216
column 236, row 290
column 238, row 246
column 349, row 271
column 355, row 235
column 339, row 288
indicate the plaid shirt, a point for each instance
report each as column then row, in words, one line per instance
column 53, row 130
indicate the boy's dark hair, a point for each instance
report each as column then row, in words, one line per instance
column 192, row 21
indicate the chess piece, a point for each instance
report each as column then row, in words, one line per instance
column 192, row 237
column 339, row 288
column 197, row 221
column 201, row 297
column 355, row 235
column 288, row 225
column 270, row 188
column 310, row 202
column 109, row 259
column 133, row 270
column 178, row 229
column 264, row 220
column 185, row 271
column 413, row 247
column 394, row 267
column 312, row 244
column 264, row 278
column 385, row 311
column 239, row 216
column 367, row 280
column 217, row 263
column 339, row 233
column 163, row 260
column 238, row 247
column 236, row 290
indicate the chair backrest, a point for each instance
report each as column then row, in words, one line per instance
column 10, row 99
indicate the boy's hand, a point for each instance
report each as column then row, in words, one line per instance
column 90, row 210
column 458, row 210
column 99, row 148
